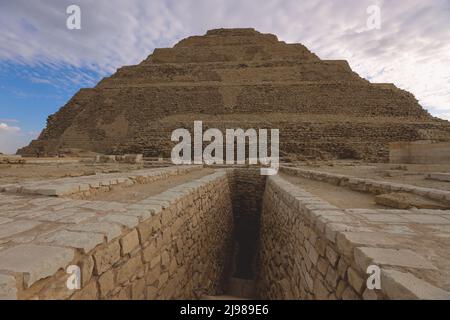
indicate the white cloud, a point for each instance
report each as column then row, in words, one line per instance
column 8, row 129
column 411, row 49
column 12, row 138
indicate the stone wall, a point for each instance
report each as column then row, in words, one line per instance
column 369, row 185
column 420, row 152
column 299, row 258
column 179, row 249
column 247, row 188
column 313, row 250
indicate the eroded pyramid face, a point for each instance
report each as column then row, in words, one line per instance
column 239, row 78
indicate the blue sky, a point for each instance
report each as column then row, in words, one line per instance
column 42, row 63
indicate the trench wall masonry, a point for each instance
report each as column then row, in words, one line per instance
column 313, row 250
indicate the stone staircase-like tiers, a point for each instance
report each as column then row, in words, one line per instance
column 239, row 78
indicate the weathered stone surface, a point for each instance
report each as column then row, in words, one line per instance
column 16, row 227
column 129, row 269
column 403, row 200
column 129, row 242
column 106, row 283
column 402, row 285
column 110, row 230
column 355, row 280
column 347, row 241
column 426, row 219
column 8, row 289
column 440, row 176
column 35, row 261
column 105, row 257
column 402, row 258
column 125, row 220
column 89, row 292
column 80, row 240
column 177, row 84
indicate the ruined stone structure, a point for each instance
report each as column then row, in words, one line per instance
column 239, row 78
column 229, row 232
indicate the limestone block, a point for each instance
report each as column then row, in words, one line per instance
column 87, row 268
column 149, row 252
column 402, row 285
column 122, row 219
column 402, row 200
column 355, row 280
column 138, row 289
column 152, row 275
column 57, row 216
column 106, row 283
column 5, row 220
column 106, row 257
column 440, row 176
column 365, row 256
column 332, row 256
column 129, row 269
column 384, row 217
column 78, row 217
column 129, row 242
column 425, row 219
column 87, row 293
column 347, row 241
column 350, row 294
column 35, row 261
column 110, row 230
column 370, row 294
column 320, row 290
column 332, row 277
column 18, row 226
column 79, row 240
column 8, row 289
column 322, row 266
column 147, row 228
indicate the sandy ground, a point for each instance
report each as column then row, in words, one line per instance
column 13, row 173
column 343, row 198
column 413, row 174
column 139, row 192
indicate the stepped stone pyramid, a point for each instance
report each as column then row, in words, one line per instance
column 239, row 78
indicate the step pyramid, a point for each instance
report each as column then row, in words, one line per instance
column 239, row 78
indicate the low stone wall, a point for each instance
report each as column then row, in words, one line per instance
column 368, row 185
column 421, row 152
column 313, row 250
column 89, row 185
column 171, row 245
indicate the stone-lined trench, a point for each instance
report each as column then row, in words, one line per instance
column 220, row 233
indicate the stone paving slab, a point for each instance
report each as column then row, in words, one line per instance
column 8, row 289
column 40, row 234
column 35, row 261
column 405, row 286
column 440, row 176
column 69, row 186
column 365, row 256
column 368, row 185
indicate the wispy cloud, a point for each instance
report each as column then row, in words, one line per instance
column 411, row 49
column 12, row 137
